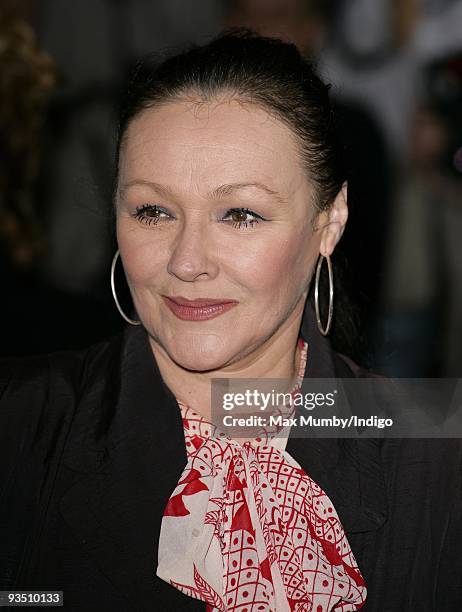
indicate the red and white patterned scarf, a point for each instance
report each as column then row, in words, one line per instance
column 247, row 529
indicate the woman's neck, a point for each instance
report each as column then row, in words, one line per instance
column 278, row 357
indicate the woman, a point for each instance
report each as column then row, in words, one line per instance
column 117, row 487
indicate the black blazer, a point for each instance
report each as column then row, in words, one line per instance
column 92, row 446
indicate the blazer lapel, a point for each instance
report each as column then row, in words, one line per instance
column 349, row 470
column 137, row 452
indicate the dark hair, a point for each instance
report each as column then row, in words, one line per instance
column 264, row 71
column 274, row 75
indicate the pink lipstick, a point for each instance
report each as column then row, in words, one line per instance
column 200, row 309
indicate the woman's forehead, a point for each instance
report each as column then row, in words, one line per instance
column 214, row 142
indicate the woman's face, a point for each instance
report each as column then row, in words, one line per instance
column 213, row 203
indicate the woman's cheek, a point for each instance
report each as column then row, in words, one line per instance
column 279, row 264
column 142, row 263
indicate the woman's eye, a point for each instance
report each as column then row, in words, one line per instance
column 149, row 213
column 239, row 217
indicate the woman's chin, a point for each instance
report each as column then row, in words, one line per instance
column 199, row 362
column 199, row 352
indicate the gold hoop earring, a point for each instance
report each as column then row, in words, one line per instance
column 325, row 331
column 114, row 294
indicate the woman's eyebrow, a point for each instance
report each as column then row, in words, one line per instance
column 219, row 192
column 162, row 190
column 230, row 188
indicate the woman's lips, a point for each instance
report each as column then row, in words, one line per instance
column 198, row 310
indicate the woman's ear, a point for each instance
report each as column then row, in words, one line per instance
column 337, row 216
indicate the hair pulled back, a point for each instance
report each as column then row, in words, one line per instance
column 250, row 68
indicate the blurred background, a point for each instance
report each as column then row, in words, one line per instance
column 396, row 72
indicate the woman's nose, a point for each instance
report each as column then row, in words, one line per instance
column 192, row 253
